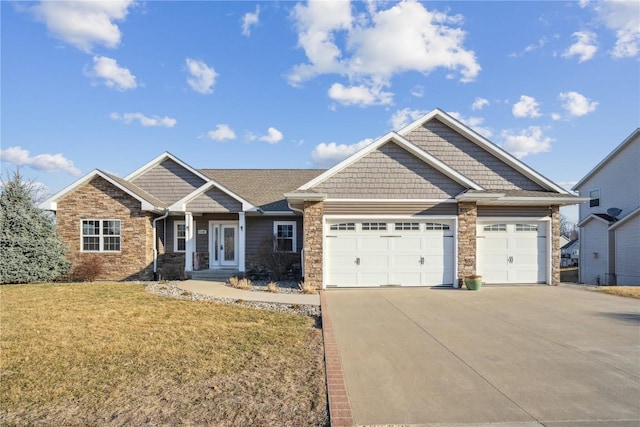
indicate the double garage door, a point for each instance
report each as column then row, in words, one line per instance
column 422, row 253
column 378, row 253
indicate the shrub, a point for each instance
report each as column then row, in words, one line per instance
column 233, row 282
column 88, row 269
column 306, row 288
column 272, row 287
column 276, row 263
column 244, row 284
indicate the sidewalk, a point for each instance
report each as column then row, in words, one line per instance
column 220, row 290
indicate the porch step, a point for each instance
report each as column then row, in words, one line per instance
column 213, row 275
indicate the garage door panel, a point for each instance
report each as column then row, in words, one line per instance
column 406, row 243
column 406, row 261
column 407, row 278
column 374, row 278
column 375, row 244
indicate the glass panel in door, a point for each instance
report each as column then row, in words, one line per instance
column 229, row 245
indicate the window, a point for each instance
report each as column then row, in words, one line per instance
column 436, row 226
column 374, row 226
column 179, row 236
column 344, row 226
column 407, row 226
column 496, row 227
column 594, row 195
column 285, row 236
column 101, row 235
column 526, row 227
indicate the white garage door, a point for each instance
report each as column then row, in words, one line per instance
column 378, row 253
column 512, row 252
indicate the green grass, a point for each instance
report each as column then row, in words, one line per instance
column 113, row 354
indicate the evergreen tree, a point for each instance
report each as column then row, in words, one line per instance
column 30, row 249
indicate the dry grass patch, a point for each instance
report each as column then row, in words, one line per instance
column 623, row 291
column 272, row 287
column 306, row 288
column 113, row 354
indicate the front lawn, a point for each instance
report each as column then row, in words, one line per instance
column 624, row 291
column 114, row 354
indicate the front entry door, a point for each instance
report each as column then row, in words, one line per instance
column 223, row 245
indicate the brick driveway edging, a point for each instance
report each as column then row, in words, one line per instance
column 339, row 406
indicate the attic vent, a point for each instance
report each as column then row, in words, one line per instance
column 614, row 212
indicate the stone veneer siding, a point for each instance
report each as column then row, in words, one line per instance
column 555, row 245
column 313, row 212
column 99, row 199
column 467, row 220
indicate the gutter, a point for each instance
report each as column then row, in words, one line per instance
column 155, row 243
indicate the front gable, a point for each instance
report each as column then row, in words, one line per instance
column 469, row 158
column 168, row 181
column 390, row 172
column 214, row 201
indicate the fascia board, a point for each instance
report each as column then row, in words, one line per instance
column 159, row 159
column 592, row 217
column 181, row 204
column 626, row 219
column 51, row 204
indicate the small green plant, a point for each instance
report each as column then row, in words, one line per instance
column 306, row 288
column 272, row 287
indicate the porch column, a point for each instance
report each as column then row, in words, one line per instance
column 241, row 241
column 190, row 242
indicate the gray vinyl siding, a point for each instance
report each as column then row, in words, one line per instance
column 468, row 158
column 390, row 172
column 168, row 181
column 514, row 211
column 215, row 201
column 260, row 229
column 397, row 208
column 170, row 232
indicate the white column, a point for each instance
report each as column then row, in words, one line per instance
column 190, row 242
column 241, row 241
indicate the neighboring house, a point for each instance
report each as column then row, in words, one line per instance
column 424, row 206
column 570, row 253
column 610, row 221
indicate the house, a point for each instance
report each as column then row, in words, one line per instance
column 423, row 206
column 570, row 253
column 610, row 220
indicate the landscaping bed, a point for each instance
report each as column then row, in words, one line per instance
column 113, row 354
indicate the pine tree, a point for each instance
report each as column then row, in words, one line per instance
column 30, row 249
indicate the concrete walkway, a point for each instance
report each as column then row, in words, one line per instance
column 508, row 356
column 220, row 290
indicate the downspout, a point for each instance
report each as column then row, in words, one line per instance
column 301, row 250
column 155, row 243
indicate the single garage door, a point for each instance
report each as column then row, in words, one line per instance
column 512, row 252
column 378, row 253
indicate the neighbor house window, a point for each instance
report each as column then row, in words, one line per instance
column 101, row 235
column 594, row 195
column 179, row 236
column 285, row 236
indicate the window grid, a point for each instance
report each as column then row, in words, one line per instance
column 594, row 195
column 526, row 227
column 285, row 236
column 436, row 226
column 496, row 227
column 407, row 226
column 180, row 239
column 345, row 226
column 101, row 235
column 374, row 226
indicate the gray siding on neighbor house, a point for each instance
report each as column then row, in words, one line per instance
column 168, row 181
column 514, row 211
column 396, row 208
column 215, row 201
column 390, row 172
column 260, row 230
column 468, row 158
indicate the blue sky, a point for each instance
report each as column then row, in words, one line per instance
column 111, row 85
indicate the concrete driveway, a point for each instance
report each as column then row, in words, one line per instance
column 519, row 356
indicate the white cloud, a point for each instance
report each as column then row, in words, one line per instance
column 44, row 162
column 531, row 47
column 622, row 17
column 371, row 47
column 84, row 23
column 556, row 116
column 202, row 77
column 474, row 123
column 115, row 76
column 359, row 95
column 403, row 117
column 577, row 104
column 153, row 121
column 273, row 136
column 250, row 20
column 221, row 133
column 527, row 141
column 526, row 107
column 479, row 103
column 418, row 91
column 325, row 155
column 584, row 48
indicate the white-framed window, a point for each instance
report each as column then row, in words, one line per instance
column 285, row 236
column 343, row 226
column 435, row 226
column 495, row 227
column 179, row 236
column 594, row 195
column 526, row 227
column 101, row 235
column 407, row 226
column 374, row 226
